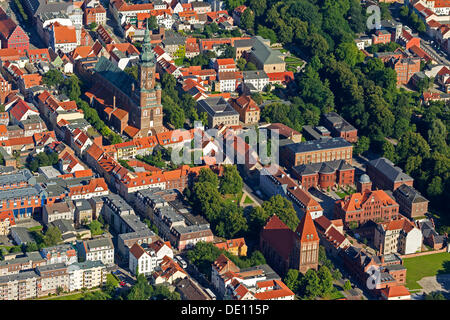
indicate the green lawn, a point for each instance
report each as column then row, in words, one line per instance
column 269, row 96
column 341, row 194
column 335, row 294
column 76, row 296
column 248, row 200
column 424, row 266
column 113, row 278
column 235, row 198
column 36, row 228
column 179, row 61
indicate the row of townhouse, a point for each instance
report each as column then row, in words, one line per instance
column 175, row 225
column 48, row 279
column 122, row 218
column 22, row 196
column 255, row 283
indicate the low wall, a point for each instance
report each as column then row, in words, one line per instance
column 412, row 255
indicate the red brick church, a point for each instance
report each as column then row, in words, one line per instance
column 285, row 249
column 132, row 107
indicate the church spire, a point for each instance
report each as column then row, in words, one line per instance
column 147, row 55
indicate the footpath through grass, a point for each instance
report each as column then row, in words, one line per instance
column 425, row 266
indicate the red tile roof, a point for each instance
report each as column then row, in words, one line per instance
column 64, row 34
column 395, row 291
column 306, row 229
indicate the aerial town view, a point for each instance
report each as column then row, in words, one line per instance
column 224, row 150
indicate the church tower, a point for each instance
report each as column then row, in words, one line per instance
column 150, row 115
column 306, row 245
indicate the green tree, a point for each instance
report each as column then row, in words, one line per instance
column 233, row 221
column 362, row 145
column 389, row 151
column 31, row 246
column 292, row 280
column 347, row 285
column 348, row 52
column 203, row 255
column 207, row 175
column 52, row 78
column 93, row 26
column 96, row 228
column 248, row 20
column 240, row 63
column 434, row 296
column 258, row 7
column 52, row 236
column 326, row 280
column 283, row 208
column 267, row 33
column 152, row 23
column 435, row 188
column 132, row 71
column 230, row 182
column 310, row 286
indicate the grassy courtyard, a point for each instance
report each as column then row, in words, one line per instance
column 425, row 266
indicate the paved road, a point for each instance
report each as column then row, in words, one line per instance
column 35, row 40
column 439, row 283
column 440, row 58
column 198, row 277
column 252, row 194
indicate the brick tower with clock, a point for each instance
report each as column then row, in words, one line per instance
column 149, row 117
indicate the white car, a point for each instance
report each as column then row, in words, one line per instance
column 181, row 262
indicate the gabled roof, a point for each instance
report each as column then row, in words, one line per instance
column 306, row 229
column 387, row 168
column 395, row 291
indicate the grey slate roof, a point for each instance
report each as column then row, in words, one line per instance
column 85, row 265
column 217, row 107
column 29, row 256
column 24, row 275
column 63, row 225
column 48, row 267
column 264, row 53
column 114, row 74
column 338, row 122
column 322, row 167
column 96, row 243
column 244, row 43
column 411, row 194
column 142, row 233
column 254, row 74
column 387, row 168
column 23, row 234
column 21, row 176
column 315, row 145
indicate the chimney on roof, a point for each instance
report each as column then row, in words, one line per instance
column 114, row 101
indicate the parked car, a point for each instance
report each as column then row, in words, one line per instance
column 181, row 261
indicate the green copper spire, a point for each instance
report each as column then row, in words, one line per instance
column 147, row 55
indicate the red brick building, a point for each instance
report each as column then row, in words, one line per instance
column 285, row 249
column 5, row 89
column 385, row 175
column 12, row 35
column 247, row 108
column 412, row 203
column 339, row 127
column 96, row 14
column 325, row 174
column 405, row 68
column 381, row 37
column 361, row 207
column 385, row 271
column 316, row 151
